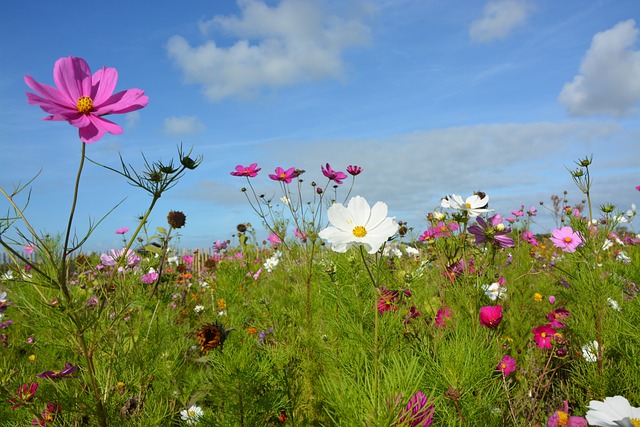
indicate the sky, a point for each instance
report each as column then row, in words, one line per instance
column 429, row 97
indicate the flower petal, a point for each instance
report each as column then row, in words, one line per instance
column 340, row 217
column 122, row 102
column 103, row 84
column 360, row 210
column 72, row 76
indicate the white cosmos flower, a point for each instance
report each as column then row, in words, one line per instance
column 472, row 205
column 358, row 224
column 614, row 411
column 192, row 415
column 590, row 351
column 495, row 291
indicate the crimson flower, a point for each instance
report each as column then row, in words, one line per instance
column 557, row 316
column 418, row 413
column 507, row 365
column 441, row 316
column 67, row 372
column 561, row 418
column 49, row 414
column 248, row 171
column 285, row 176
column 354, row 170
column 491, row 315
column 543, row 335
column 336, row 176
column 24, row 394
column 82, row 99
column 387, row 300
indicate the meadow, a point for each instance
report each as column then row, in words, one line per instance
column 343, row 316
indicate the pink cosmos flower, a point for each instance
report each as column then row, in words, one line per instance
column 532, row 211
column 561, row 418
column 638, row 187
column 250, row 171
column 528, row 237
column 492, row 231
column 82, row 99
column 557, row 316
column 274, row 240
column 67, row 372
column 441, row 316
column 566, row 239
column 285, row 176
column 491, row 315
column 300, row 235
column 387, row 300
column 188, row 259
column 149, row 278
column 354, row 170
column 543, row 336
column 29, row 249
column 122, row 230
column 507, row 365
column 25, row 393
column 49, row 414
column 336, row 176
column 418, row 412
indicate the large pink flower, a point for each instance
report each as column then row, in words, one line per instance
column 566, row 239
column 82, row 99
column 491, row 316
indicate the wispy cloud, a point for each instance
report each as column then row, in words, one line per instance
column 292, row 42
column 609, row 78
column 499, row 18
column 187, row 125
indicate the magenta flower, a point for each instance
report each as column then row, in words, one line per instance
column 49, row 414
column 67, row 372
column 532, row 211
column 638, row 187
column 561, row 418
column 82, row 99
column 336, row 176
column 507, row 365
column 387, row 300
column 24, row 394
column 566, row 239
column 248, row 171
column 418, row 412
column 492, row 231
column 543, row 336
column 557, row 316
column 491, row 315
column 285, row 176
column 29, row 249
column 149, row 278
column 354, row 170
column 441, row 316
column 274, row 239
column 528, row 237
column 122, row 230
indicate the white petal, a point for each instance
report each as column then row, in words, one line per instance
column 340, row 217
column 360, row 210
column 378, row 214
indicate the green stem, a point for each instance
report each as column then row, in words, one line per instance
column 375, row 336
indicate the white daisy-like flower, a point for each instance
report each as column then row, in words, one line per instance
column 411, row 251
column 607, row 244
column 623, row 257
column 392, row 252
column 614, row 304
column 192, row 415
column 198, row 308
column 358, row 224
column 495, row 291
column 3, row 297
column 615, row 411
column 590, row 351
column 631, row 212
column 472, row 205
column 7, row 276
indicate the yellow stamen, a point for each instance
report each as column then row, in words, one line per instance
column 563, row 418
column 84, row 104
column 635, row 422
column 543, row 334
column 468, row 205
column 359, row 231
column 568, row 239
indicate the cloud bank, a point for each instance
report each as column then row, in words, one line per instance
column 290, row 43
column 187, row 125
column 609, row 78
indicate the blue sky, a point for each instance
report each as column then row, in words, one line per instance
column 429, row 97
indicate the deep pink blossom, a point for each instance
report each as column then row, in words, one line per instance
column 441, row 316
column 335, row 176
column 532, row 211
column 285, row 176
column 354, row 170
column 557, row 316
column 507, row 365
column 387, row 300
column 25, row 393
column 82, row 99
column 561, row 418
column 67, row 372
column 543, row 336
column 418, row 413
column 492, row 231
column 49, row 414
column 122, row 230
column 149, row 278
column 566, row 239
column 528, row 237
column 29, row 249
column 638, row 187
column 250, row 171
column 491, row 315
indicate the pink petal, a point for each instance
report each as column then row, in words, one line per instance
column 48, row 105
column 47, row 95
column 72, row 76
column 104, row 83
column 97, row 128
column 123, row 102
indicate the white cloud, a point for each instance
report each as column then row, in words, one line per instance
column 609, row 79
column 187, row 125
column 293, row 42
column 499, row 18
column 132, row 119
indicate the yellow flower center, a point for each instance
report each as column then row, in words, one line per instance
column 282, row 175
column 563, row 418
column 84, row 104
column 635, row 422
column 359, row 231
column 543, row 334
column 468, row 205
column 567, row 239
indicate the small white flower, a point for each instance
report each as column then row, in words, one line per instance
column 271, row 263
column 590, row 351
column 495, row 291
column 198, row 308
column 607, row 244
column 192, row 415
column 613, row 412
column 7, row 276
column 204, row 285
column 3, row 297
column 623, row 257
column 222, row 313
column 392, row 251
column 358, row 224
column 173, row 260
column 631, row 212
column 285, row 200
column 411, row 251
column 613, row 304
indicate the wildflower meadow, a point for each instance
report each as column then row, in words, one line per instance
column 343, row 316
